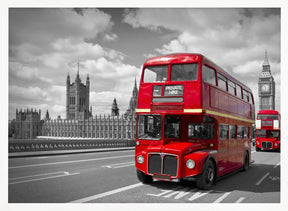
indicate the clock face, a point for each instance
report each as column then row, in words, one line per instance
column 265, row 88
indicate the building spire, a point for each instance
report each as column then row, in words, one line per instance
column 78, row 68
column 266, row 62
column 77, row 76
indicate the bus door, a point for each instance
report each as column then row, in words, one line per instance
column 234, row 148
column 223, row 149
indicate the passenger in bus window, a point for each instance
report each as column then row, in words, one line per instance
column 202, row 133
column 169, row 131
column 156, row 130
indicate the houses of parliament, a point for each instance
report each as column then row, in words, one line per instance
column 79, row 122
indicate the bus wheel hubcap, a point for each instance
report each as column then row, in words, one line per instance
column 210, row 175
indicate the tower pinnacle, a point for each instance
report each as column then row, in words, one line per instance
column 266, row 62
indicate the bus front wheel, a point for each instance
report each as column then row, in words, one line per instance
column 144, row 178
column 207, row 177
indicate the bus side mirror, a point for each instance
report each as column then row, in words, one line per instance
column 208, row 119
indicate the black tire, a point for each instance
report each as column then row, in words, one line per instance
column 207, row 177
column 246, row 162
column 257, row 149
column 144, row 178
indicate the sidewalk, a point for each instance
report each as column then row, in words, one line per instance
column 60, row 152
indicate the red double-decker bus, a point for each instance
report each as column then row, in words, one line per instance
column 268, row 130
column 193, row 121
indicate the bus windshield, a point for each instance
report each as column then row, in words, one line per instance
column 272, row 116
column 184, row 72
column 261, row 116
column 273, row 133
column 156, row 74
column 261, row 133
column 150, row 127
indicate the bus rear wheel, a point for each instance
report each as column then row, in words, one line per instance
column 144, row 178
column 257, row 149
column 207, row 177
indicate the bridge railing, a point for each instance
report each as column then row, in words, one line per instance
column 60, row 144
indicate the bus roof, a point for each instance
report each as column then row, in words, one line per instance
column 268, row 112
column 189, row 58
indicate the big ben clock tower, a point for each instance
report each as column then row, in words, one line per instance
column 266, row 87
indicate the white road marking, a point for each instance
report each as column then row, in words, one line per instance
column 240, row 200
column 198, row 195
column 120, row 165
column 278, row 164
column 179, row 194
column 71, row 161
column 221, row 198
column 108, row 193
column 261, row 180
column 163, row 192
column 45, row 178
column 36, row 175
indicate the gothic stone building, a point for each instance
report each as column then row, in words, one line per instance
column 28, row 124
column 266, row 87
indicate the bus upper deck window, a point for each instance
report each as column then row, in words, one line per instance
column 184, row 72
column 155, row 74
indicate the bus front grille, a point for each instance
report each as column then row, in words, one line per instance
column 266, row 144
column 154, row 164
column 167, row 164
column 170, row 165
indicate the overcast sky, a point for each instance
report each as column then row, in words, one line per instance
column 112, row 44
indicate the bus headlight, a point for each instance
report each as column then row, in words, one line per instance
column 137, row 143
column 140, row 159
column 275, row 144
column 190, row 164
column 257, row 142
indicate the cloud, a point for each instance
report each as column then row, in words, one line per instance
column 50, row 24
column 29, row 94
column 110, row 37
column 102, row 101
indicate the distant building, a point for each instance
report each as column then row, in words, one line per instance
column 101, row 127
column 266, row 87
column 77, row 98
column 114, row 109
column 47, row 116
column 27, row 124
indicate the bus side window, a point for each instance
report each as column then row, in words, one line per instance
column 222, row 82
column 238, row 91
column 246, row 132
column 223, row 132
column 245, row 95
column 231, row 87
column 232, row 131
column 208, row 75
column 240, row 132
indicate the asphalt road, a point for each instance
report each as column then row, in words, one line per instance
column 110, row 177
